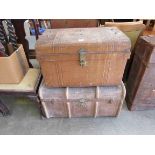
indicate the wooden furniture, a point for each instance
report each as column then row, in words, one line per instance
column 141, row 82
column 20, row 33
column 28, row 87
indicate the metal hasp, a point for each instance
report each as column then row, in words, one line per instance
column 83, row 103
column 82, row 55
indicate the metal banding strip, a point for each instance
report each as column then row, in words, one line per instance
column 45, row 110
column 68, row 104
column 123, row 98
column 96, row 103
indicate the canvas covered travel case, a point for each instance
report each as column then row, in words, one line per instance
column 82, row 102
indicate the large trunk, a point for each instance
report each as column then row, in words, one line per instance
column 81, row 102
column 141, row 85
column 83, row 56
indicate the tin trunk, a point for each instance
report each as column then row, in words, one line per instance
column 83, row 56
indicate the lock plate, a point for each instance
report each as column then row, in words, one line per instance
column 82, row 103
column 82, row 56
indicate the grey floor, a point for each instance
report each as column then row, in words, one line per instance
column 25, row 119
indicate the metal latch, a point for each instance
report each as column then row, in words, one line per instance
column 82, row 55
column 82, row 103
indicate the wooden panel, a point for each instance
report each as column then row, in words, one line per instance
column 141, row 85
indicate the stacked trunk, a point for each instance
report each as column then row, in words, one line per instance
column 82, row 70
column 140, row 84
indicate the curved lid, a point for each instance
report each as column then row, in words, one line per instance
column 71, row 40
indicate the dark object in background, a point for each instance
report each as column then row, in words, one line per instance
column 20, row 33
column 81, row 102
column 12, row 36
column 2, row 54
column 4, row 110
column 2, row 51
column 73, row 23
column 123, row 20
column 35, row 28
column 149, row 24
column 103, row 21
column 2, row 47
column 82, row 57
column 141, row 82
column 3, row 39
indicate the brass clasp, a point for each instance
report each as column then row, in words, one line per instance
column 82, row 103
column 82, row 55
